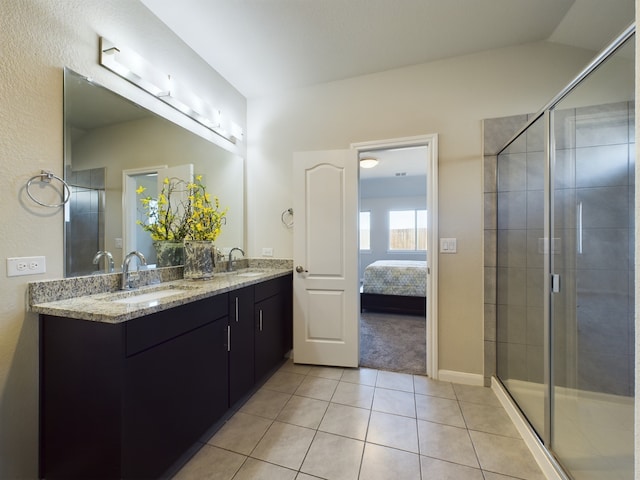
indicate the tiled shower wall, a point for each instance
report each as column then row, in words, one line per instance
column 85, row 229
column 497, row 132
column 594, row 325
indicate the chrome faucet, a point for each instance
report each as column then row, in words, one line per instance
column 128, row 277
column 109, row 265
column 230, row 262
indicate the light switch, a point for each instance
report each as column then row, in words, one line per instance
column 448, row 245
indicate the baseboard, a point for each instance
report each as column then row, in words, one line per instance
column 545, row 461
column 461, row 377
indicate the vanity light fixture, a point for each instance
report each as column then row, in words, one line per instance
column 132, row 67
column 237, row 132
column 368, row 162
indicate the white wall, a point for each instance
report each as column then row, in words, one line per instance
column 39, row 38
column 448, row 97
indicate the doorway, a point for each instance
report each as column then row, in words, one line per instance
column 398, row 224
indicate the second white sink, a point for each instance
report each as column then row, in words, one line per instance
column 151, row 296
column 250, row 274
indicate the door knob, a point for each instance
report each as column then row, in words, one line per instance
column 301, row 269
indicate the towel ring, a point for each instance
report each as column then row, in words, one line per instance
column 287, row 212
column 46, row 177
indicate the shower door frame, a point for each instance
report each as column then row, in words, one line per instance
column 547, row 113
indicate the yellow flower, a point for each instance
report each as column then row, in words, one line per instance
column 197, row 218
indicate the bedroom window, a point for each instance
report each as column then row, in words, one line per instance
column 365, row 230
column 407, row 230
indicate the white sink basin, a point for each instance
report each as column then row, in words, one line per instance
column 150, row 297
column 250, row 274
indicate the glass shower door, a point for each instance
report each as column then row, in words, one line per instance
column 592, row 314
column 521, row 359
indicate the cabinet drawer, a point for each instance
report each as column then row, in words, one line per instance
column 270, row 288
column 146, row 332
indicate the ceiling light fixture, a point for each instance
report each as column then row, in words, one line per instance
column 132, row 67
column 368, row 162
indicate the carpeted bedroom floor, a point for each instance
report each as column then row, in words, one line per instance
column 393, row 342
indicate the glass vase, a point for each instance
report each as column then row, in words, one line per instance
column 169, row 254
column 199, row 259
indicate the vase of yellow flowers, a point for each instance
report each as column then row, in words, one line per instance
column 164, row 220
column 203, row 221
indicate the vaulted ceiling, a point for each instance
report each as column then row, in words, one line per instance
column 263, row 46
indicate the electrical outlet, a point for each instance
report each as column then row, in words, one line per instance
column 267, row 252
column 25, row 266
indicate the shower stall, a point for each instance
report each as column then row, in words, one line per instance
column 564, row 269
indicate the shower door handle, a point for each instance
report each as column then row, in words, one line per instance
column 555, row 283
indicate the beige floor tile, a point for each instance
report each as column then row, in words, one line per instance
column 505, row 455
column 394, row 401
column 346, row 421
column 441, row 470
column 265, row 403
column 284, row 444
column 426, row 386
column 257, row 470
column 304, row 476
column 439, row 410
column 211, row 463
column 395, row 381
column 497, row 476
column 317, row 387
column 489, row 419
column 300, row 368
column 333, row 457
column 284, row 381
column 241, row 433
column 363, row 376
column 445, row 442
column 473, row 394
column 334, row 373
column 353, row 394
column 393, row 431
column 383, row 463
column 303, row 411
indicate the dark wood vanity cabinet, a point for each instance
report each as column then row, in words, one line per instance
column 241, row 349
column 270, row 324
column 260, row 333
column 127, row 400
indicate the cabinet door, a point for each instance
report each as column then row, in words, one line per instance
column 269, row 340
column 173, row 393
column 241, row 377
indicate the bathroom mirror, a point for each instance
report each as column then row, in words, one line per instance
column 110, row 141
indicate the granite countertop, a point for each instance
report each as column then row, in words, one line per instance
column 120, row 306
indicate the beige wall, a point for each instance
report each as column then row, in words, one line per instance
column 38, row 38
column 448, row 97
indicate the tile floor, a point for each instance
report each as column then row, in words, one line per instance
column 310, row 422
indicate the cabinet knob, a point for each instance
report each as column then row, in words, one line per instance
column 301, row 269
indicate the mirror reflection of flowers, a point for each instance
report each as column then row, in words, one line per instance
column 165, row 215
column 202, row 217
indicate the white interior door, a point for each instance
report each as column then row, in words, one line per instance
column 325, row 249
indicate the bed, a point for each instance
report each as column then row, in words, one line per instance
column 395, row 286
